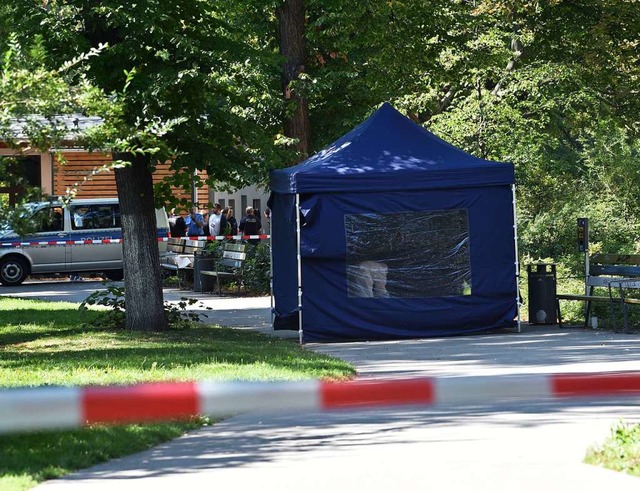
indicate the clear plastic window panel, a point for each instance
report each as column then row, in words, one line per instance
column 408, row 254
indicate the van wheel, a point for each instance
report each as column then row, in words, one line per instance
column 13, row 271
column 114, row 275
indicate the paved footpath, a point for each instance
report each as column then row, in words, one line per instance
column 494, row 446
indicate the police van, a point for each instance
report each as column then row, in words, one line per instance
column 84, row 236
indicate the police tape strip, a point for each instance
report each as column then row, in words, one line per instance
column 23, row 409
column 222, row 237
column 119, row 241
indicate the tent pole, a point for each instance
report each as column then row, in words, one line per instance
column 271, row 271
column 515, row 240
column 299, row 262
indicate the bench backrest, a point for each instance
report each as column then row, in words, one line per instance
column 615, row 264
column 605, row 268
column 233, row 255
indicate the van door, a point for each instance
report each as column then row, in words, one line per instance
column 48, row 247
column 95, row 237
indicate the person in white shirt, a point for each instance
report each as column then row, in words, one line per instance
column 78, row 217
column 214, row 220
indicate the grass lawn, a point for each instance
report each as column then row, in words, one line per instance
column 53, row 343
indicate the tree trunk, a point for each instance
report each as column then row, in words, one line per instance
column 291, row 25
column 142, row 276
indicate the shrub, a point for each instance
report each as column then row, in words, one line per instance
column 113, row 297
column 256, row 270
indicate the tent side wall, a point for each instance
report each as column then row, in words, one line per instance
column 402, row 235
column 284, row 260
column 425, row 295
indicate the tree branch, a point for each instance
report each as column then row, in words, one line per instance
column 516, row 47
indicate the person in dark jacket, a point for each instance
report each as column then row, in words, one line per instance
column 225, row 228
column 250, row 225
column 232, row 221
column 180, row 228
column 178, row 225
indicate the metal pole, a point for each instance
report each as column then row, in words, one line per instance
column 194, row 189
column 299, row 259
column 270, row 239
column 515, row 241
column 586, row 271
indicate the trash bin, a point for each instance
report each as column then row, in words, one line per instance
column 542, row 293
column 203, row 261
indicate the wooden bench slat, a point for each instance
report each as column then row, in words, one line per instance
column 236, row 247
column 591, row 298
column 615, row 259
column 615, row 269
column 240, row 256
column 217, row 273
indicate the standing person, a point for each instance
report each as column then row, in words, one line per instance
column 214, row 220
column 180, row 226
column 250, row 225
column 205, row 229
column 225, row 228
column 267, row 216
column 232, row 222
column 194, row 222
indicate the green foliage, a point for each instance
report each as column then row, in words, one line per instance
column 214, row 248
column 620, row 452
column 179, row 316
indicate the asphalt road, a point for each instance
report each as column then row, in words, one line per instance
column 493, row 446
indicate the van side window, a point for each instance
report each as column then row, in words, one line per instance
column 49, row 219
column 95, row 217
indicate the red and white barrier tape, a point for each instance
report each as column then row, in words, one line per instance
column 119, row 241
column 71, row 407
column 65, row 242
column 222, row 237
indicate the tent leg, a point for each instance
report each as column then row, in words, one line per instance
column 271, row 273
column 517, row 263
column 299, row 262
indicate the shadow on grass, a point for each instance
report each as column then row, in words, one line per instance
column 26, row 325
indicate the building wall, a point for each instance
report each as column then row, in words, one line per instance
column 103, row 184
column 241, row 198
column 56, row 178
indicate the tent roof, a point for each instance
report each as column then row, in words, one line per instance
column 389, row 152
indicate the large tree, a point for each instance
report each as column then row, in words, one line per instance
column 291, row 39
column 180, row 62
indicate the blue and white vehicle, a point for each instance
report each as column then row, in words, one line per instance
column 85, row 236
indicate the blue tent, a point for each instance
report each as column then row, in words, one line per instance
column 391, row 233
